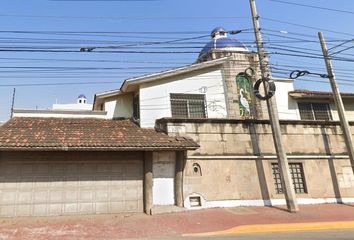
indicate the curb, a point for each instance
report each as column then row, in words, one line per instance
column 286, row 227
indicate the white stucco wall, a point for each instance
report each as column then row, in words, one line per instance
column 73, row 106
column 287, row 107
column 349, row 110
column 163, row 178
column 58, row 114
column 109, row 107
column 120, row 107
column 155, row 96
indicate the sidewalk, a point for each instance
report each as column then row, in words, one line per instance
column 253, row 219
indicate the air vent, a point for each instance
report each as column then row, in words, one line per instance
column 195, row 201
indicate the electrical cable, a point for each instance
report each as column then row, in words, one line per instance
column 339, row 45
column 124, row 18
column 306, row 26
column 340, row 51
column 313, row 6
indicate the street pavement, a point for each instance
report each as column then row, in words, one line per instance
column 218, row 223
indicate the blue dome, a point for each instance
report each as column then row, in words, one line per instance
column 221, row 41
column 81, row 96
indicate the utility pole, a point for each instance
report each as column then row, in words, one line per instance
column 338, row 101
column 283, row 164
column 13, row 103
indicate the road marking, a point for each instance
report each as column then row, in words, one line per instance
column 283, row 227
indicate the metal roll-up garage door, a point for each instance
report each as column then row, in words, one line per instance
column 48, row 187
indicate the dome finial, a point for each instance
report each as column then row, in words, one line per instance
column 218, row 32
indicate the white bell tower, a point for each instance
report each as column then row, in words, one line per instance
column 81, row 99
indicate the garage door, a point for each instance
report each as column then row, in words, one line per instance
column 46, row 188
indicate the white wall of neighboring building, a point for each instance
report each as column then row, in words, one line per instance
column 58, row 114
column 287, row 107
column 349, row 110
column 109, row 107
column 73, row 106
column 155, row 96
column 80, row 105
column 120, row 107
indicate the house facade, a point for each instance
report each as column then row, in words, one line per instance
column 220, row 148
column 212, row 102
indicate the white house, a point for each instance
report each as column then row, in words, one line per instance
column 231, row 160
column 212, row 102
column 205, row 89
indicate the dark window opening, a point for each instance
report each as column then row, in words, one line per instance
column 188, row 105
column 297, row 175
column 136, row 107
column 315, row 111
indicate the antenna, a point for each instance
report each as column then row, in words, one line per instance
column 13, row 103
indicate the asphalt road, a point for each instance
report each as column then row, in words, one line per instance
column 311, row 235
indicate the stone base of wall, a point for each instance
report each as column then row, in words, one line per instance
column 260, row 202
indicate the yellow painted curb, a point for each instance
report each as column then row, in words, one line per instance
column 283, row 227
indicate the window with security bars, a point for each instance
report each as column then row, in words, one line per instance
column 188, row 105
column 315, row 111
column 297, row 175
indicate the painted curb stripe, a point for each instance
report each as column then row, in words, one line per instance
column 288, row 227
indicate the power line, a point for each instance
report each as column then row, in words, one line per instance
column 287, row 32
column 322, row 68
column 102, row 32
column 78, row 51
column 78, row 68
column 300, row 40
column 313, row 6
column 339, row 45
column 98, row 60
column 52, row 84
column 306, row 26
column 125, row 18
column 307, row 49
column 340, row 51
column 153, row 43
column 310, row 56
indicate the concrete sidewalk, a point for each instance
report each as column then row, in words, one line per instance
column 216, row 221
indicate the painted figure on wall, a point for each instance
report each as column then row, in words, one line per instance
column 244, row 90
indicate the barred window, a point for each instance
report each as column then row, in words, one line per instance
column 297, row 175
column 315, row 111
column 188, row 105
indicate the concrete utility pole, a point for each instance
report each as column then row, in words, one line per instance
column 283, row 164
column 338, row 101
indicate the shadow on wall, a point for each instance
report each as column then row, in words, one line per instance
column 259, row 165
column 331, row 166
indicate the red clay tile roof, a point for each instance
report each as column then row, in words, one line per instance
column 84, row 134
